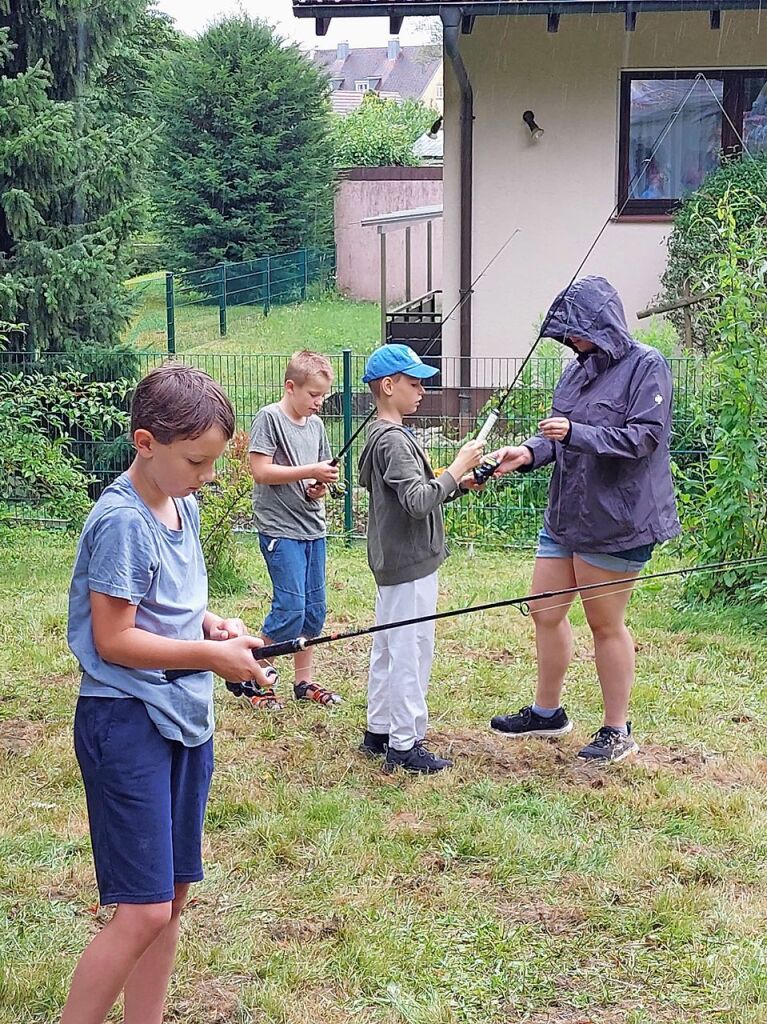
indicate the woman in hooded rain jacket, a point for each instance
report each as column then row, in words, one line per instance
column 611, row 500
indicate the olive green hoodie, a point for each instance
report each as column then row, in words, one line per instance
column 406, row 533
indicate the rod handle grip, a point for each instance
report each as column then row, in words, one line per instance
column 276, row 650
column 488, row 425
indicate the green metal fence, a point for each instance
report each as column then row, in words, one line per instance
column 261, row 283
column 509, row 512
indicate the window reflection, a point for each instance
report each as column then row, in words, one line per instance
column 755, row 114
column 688, row 151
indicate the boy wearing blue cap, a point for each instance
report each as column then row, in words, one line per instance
column 406, row 546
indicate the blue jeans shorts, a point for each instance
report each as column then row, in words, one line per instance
column 146, row 800
column 631, row 560
column 297, row 571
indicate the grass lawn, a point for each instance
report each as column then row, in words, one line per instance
column 327, row 324
column 516, row 888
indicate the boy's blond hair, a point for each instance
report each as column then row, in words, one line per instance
column 305, row 364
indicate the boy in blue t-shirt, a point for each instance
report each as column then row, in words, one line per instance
column 147, row 645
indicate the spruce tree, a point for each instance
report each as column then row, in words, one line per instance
column 246, row 158
column 71, row 171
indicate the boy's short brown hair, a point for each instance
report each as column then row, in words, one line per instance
column 306, row 364
column 176, row 402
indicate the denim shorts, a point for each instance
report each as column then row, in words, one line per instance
column 631, row 560
column 146, row 800
column 297, row 571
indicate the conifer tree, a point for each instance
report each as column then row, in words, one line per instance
column 71, row 176
column 246, row 158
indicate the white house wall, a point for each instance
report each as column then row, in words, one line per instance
column 559, row 191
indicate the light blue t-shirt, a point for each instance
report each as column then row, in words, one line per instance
column 126, row 552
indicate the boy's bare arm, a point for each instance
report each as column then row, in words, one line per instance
column 120, row 641
column 264, row 471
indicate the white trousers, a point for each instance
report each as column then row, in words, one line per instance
column 400, row 663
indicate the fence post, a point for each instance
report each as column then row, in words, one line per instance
column 170, row 314
column 305, row 286
column 268, row 285
column 222, row 300
column 348, row 476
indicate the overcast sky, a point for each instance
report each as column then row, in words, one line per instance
column 191, row 16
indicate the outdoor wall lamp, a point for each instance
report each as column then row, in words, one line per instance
column 435, row 129
column 535, row 130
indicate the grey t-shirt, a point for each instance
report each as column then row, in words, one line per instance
column 126, row 552
column 283, row 510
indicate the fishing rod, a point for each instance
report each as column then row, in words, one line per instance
column 523, row 603
column 489, row 464
column 337, row 490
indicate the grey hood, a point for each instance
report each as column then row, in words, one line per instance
column 591, row 309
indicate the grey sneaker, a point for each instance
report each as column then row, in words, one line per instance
column 527, row 723
column 609, row 745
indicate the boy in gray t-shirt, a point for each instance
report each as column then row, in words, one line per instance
column 147, row 645
column 291, row 464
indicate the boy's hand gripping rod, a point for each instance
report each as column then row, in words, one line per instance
column 523, row 603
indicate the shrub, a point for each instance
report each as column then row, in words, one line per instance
column 50, row 424
column 724, row 506
column 697, row 236
column 225, row 504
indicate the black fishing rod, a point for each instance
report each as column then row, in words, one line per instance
column 523, row 603
column 488, row 466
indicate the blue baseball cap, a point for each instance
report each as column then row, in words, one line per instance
column 390, row 359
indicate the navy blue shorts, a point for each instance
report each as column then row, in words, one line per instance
column 297, row 571
column 146, row 800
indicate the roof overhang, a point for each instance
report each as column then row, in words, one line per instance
column 324, row 10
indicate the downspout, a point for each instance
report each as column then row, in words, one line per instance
column 451, row 21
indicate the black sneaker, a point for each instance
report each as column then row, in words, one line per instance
column 418, row 760
column 609, row 744
column 374, row 744
column 527, row 723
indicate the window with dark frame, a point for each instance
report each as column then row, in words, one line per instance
column 657, row 170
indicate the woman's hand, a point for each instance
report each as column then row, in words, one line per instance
column 556, row 428
column 512, row 458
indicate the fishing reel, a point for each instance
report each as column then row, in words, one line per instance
column 251, row 687
column 485, row 469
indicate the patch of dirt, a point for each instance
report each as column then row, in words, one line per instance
column 553, row 920
column 700, row 764
column 293, row 929
column 502, row 758
column 210, row 1001
column 406, row 821
column 19, row 737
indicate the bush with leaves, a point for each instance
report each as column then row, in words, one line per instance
column 380, row 133
column 48, row 426
column 225, row 504
column 697, row 235
column 724, row 504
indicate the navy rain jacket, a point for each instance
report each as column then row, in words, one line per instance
column 611, row 489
